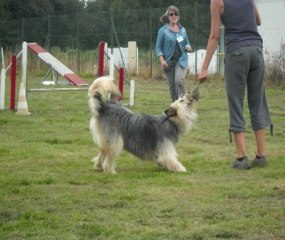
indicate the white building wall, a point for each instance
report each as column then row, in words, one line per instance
column 272, row 27
column 272, row 30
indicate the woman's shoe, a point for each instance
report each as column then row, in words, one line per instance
column 241, row 163
column 259, row 162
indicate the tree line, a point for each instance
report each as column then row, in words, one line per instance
column 84, row 23
column 15, row 9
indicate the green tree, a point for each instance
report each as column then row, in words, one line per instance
column 83, row 24
column 15, row 9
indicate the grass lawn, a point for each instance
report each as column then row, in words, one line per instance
column 49, row 189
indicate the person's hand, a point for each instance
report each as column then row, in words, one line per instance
column 163, row 63
column 187, row 48
column 202, row 77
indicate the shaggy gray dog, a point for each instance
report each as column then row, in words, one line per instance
column 148, row 137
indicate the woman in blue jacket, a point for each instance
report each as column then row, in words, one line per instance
column 172, row 46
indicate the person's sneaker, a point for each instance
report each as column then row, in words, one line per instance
column 259, row 161
column 241, row 163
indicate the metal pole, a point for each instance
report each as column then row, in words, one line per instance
column 221, row 53
column 195, row 38
column 111, row 30
column 56, row 89
column 77, row 39
column 48, row 40
column 117, row 40
column 22, row 33
column 150, row 42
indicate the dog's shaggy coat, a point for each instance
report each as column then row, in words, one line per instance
column 115, row 128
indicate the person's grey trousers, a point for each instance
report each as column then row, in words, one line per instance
column 176, row 80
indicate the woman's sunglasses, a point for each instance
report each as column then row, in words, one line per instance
column 173, row 14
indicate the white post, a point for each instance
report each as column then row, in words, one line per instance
column 22, row 101
column 2, row 89
column 106, row 60
column 3, row 60
column 137, row 60
column 112, row 65
column 132, row 93
column 132, row 56
column 2, row 82
column 24, row 64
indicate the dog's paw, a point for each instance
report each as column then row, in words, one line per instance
column 177, row 168
column 181, row 169
column 98, row 166
column 108, row 168
column 108, row 171
column 174, row 166
column 93, row 160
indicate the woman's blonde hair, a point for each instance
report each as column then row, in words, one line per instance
column 164, row 17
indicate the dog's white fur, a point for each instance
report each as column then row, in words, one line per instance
column 106, row 87
column 181, row 112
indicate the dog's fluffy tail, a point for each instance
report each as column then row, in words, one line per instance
column 102, row 91
column 105, row 88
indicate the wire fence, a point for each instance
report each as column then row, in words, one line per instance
column 83, row 31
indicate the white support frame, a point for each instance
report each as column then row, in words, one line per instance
column 132, row 93
column 4, row 70
column 112, row 65
column 2, row 88
column 132, row 82
column 2, row 82
column 24, row 65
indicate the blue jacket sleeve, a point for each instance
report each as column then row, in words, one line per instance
column 159, row 42
column 186, row 40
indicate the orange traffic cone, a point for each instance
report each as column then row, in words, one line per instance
column 22, row 102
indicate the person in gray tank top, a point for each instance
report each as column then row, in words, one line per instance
column 244, row 70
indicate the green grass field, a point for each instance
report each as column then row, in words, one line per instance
column 49, row 189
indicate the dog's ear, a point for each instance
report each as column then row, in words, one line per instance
column 170, row 112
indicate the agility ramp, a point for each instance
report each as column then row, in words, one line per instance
column 56, row 64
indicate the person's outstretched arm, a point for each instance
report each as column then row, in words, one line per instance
column 257, row 15
column 216, row 6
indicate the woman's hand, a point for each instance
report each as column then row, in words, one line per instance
column 187, row 48
column 202, row 77
column 163, row 63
